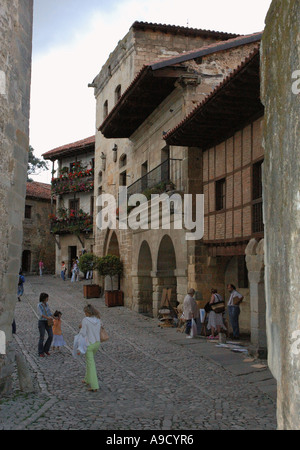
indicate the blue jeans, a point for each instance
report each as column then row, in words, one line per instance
column 62, row 274
column 234, row 312
column 188, row 326
column 43, row 326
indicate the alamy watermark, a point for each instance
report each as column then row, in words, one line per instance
column 138, row 212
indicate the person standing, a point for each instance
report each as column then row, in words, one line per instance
column 190, row 310
column 215, row 320
column 63, row 270
column 90, row 331
column 44, row 325
column 234, row 309
column 21, row 285
column 58, row 339
column 41, row 267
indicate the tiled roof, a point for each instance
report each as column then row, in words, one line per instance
column 175, row 29
column 194, row 128
column 142, row 82
column 38, row 190
column 65, row 149
column 208, row 49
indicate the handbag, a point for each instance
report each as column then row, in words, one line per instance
column 207, row 307
column 50, row 321
column 103, row 335
column 218, row 307
column 194, row 331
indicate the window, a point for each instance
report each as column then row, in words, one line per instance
column 117, row 93
column 74, row 205
column 242, row 272
column 100, row 177
column 105, row 109
column 123, row 160
column 144, row 180
column 28, row 211
column 92, row 205
column 257, row 205
column 220, row 194
column 123, row 181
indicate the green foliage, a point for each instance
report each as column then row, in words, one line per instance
column 35, row 165
column 110, row 265
column 88, row 262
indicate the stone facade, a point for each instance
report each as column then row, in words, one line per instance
column 15, row 73
column 155, row 259
column 74, row 193
column 280, row 61
column 38, row 243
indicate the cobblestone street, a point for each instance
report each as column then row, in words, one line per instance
column 152, row 378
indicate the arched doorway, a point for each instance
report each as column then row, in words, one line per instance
column 166, row 266
column 112, row 248
column 26, row 261
column 144, row 288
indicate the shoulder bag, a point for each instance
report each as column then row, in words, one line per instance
column 103, row 335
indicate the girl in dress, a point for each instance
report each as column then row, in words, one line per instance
column 58, row 340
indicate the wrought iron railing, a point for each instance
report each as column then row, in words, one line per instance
column 163, row 177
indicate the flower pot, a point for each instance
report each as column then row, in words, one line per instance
column 91, row 291
column 114, row 298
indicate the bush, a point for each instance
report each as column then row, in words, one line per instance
column 110, row 265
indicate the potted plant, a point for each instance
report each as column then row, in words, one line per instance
column 111, row 265
column 88, row 262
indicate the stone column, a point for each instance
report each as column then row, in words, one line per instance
column 15, row 74
column 280, row 94
column 255, row 265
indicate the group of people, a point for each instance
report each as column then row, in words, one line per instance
column 74, row 271
column 215, row 321
column 89, row 332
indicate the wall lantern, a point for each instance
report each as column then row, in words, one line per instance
column 103, row 158
column 115, row 154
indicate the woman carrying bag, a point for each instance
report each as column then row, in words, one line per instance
column 90, row 331
column 215, row 320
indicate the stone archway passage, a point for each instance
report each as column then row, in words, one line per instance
column 26, row 261
column 112, row 249
column 165, row 276
column 144, row 287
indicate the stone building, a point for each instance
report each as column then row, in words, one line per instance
column 15, row 74
column 73, row 187
column 38, row 242
column 225, row 131
column 280, row 75
column 131, row 151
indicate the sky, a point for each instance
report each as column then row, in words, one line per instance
column 72, row 39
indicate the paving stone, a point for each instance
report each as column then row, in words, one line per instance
column 150, row 378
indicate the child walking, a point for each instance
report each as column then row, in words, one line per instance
column 58, row 340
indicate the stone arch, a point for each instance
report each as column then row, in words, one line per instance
column 166, row 271
column 111, row 247
column 144, row 280
column 26, row 261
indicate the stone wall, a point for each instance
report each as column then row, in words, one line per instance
column 15, row 72
column 280, row 58
column 37, row 237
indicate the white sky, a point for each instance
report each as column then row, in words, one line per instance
column 73, row 38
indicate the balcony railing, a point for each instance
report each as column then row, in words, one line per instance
column 75, row 223
column 81, row 181
column 158, row 179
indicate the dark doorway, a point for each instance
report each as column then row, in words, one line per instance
column 72, row 255
column 26, row 261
